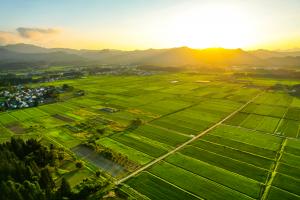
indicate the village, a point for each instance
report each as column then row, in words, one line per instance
column 17, row 97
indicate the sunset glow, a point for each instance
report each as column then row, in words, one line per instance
column 153, row 24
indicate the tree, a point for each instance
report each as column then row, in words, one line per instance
column 5, row 190
column 61, row 156
column 98, row 173
column 137, row 122
column 79, row 164
column 101, row 131
column 65, row 188
column 66, row 87
column 25, row 174
column 46, row 181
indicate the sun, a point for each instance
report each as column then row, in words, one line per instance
column 213, row 26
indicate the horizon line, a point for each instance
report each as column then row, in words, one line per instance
column 151, row 48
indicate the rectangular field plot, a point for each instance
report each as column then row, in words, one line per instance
column 180, row 89
column 50, row 122
column 250, row 148
column 147, row 146
column 191, row 120
column 237, row 119
column 139, row 100
column 220, row 105
column 173, row 126
column 163, row 107
column 84, row 102
column 204, row 92
column 261, row 123
column 55, row 109
column 267, row 110
column 131, row 193
column 122, row 117
column 287, row 183
column 243, row 94
column 290, row 159
column 250, row 137
column 276, row 99
column 132, row 154
column 125, row 117
column 6, row 118
column 21, row 115
column 254, row 122
column 183, row 126
column 234, row 154
column 200, row 186
column 35, row 112
column 161, row 135
column 196, row 115
column 4, row 132
column 156, row 188
column 216, row 174
column 70, row 104
column 289, row 128
column 295, row 102
column 279, row 194
column 63, row 138
column 289, row 170
column 292, row 147
column 110, row 89
column 293, row 113
column 222, row 93
column 242, row 168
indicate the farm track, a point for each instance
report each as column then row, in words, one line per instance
column 274, row 170
column 185, row 143
column 278, row 158
column 282, row 118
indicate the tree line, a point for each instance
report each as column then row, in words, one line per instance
column 25, row 174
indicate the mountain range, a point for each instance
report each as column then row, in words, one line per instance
column 22, row 55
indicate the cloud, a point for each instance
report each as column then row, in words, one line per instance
column 38, row 36
column 9, row 38
column 36, row 33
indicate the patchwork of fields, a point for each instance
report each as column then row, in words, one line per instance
column 255, row 154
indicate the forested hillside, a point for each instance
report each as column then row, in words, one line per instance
column 26, row 173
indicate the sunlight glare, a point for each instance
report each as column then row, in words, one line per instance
column 213, row 26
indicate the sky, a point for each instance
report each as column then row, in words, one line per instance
column 143, row 24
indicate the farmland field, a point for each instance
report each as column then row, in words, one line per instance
column 195, row 184
column 173, row 136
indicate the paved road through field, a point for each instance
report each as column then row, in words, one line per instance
column 184, row 144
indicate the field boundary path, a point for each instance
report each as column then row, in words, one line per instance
column 274, row 170
column 186, row 143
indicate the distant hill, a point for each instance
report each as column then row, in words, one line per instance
column 25, row 48
column 182, row 56
column 265, row 54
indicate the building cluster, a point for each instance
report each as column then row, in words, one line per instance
column 22, row 97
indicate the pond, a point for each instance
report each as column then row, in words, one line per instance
column 98, row 160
